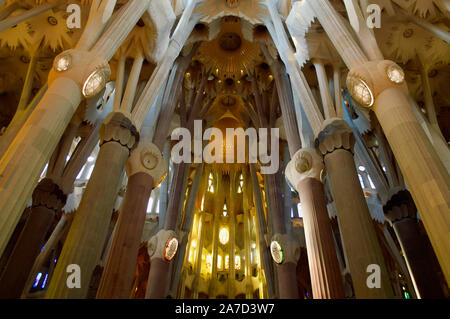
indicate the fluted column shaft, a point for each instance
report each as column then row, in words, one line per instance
column 118, row 274
column 86, row 238
column 325, row 93
column 401, row 212
column 145, row 169
column 22, row 163
column 336, row 142
column 338, row 33
column 424, row 173
column 286, row 271
column 48, row 199
column 159, row 271
column 304, row 172
column 427, row 178
column 324, row 268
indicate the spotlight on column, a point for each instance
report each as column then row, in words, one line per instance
column 62, row 62
column 360, row 91
column 277, row 252
column 171, row 249
column 95, row 82
column 395, row 73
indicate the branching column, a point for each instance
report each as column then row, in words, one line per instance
column 159, row 271
column 145, row 169
column 335, row 142
column 402, row 213
column 304, row 172
column 24, row 160
column 286, row 270
column 427, row 178
column 86, row 237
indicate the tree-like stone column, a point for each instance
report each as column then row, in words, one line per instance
column 336, row 142
column 287, row 269
column 304, row 172
column 86, row 237
column 426, row 177
column 145, row 169
column 157, row 279
column 22, row 164
column 48, row 200
column 401, row 211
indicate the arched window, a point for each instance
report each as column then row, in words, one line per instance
column 237, row 262
column 241, row 184
column 225, row 209
column 211, row 183
column 219, row 262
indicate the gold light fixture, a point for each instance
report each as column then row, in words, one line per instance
column 171, row 249
column 395, row 74
column 277, row 252
column 237, row 262
column 62, row 62
column 95, row 82
column 360, row 91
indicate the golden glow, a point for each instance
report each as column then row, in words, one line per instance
column 191, row 255
column 237, row 262
column 227, row 262
column 224, row 235
column 219, row 262
column 209, row 263
column 210, row 183
column 202, row 204
column 241, row 184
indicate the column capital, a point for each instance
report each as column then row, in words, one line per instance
column 88, row 70
column 306, row 163
column 367, row 80
column 290, row 248
column 118, row 127
column 335, row 134
column 48, row 194
column 399, row 205
column 147, row 158
column 158, row 244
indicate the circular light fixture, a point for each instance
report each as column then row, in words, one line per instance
column 171, row 249
column 277, row 252
column 360, row 91
column 395, row 74
column 62, row 63
column 224, row 235
column 95, row 82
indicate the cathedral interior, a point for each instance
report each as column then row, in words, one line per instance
column 113, row 187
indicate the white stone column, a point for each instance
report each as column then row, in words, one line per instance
column 426, row 177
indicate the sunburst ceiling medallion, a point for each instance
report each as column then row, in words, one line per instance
column 229, row 55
